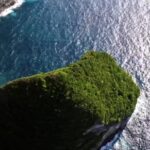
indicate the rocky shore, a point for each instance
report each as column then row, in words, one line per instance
column 4, row 4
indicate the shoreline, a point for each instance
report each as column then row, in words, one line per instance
column 10, row 9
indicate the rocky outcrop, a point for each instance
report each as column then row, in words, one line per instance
column 5, row 4
column 79, row 107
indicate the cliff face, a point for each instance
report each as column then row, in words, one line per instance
column 5, row 4
column 60, row 110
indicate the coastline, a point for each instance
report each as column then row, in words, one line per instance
column 10, row 9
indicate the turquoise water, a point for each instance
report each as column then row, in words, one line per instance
column 41, row 36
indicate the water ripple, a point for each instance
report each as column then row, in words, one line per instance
column 48, row 34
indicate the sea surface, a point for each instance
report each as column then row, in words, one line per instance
column 43, row 35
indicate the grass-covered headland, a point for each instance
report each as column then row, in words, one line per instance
column 51, row 111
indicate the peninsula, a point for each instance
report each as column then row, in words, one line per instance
column 78, row 107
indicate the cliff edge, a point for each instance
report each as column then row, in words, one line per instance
column 72, row 108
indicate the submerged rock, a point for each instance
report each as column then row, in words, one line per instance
column 74, row 108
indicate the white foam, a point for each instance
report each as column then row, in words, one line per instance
column 9, row 10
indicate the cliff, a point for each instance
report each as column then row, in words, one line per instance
column 78, row 107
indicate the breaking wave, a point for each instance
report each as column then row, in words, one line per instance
column 9, row 10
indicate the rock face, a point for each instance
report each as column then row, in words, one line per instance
column 60, row 110
column 5, row 4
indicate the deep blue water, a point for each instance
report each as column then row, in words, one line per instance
column 44, row 35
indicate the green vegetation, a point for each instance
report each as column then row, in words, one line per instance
column 53, row 110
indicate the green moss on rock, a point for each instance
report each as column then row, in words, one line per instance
column 52, row 110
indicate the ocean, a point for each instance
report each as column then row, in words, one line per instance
column 43, row 35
